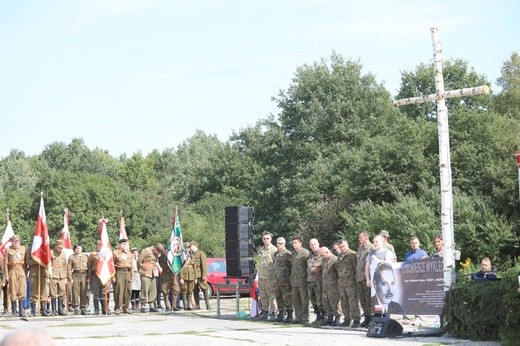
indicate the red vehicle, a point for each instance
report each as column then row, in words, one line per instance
column 216, row 275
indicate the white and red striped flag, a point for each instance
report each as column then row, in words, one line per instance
column 41, row 246
column 105, row 266
column 65, row 235
column 6, row 239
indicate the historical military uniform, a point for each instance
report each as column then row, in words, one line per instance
column 59, row 281
column 330, row 290
column 282, row 284
column 14, row 264
column 168, row 282
column 96, row 287
column 347, row 263
column 201, row 273
column 187, row 275
column 149, row 273
column 123, row 263
column 266, row 280
column 314, row 283
column 300, row 298
column 77, row 270
column 39, row 286
column 363, row 290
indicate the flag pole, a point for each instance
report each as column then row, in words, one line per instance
column 5, row 273
column 106, row 299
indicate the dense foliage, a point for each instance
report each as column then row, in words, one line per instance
column 337, row 158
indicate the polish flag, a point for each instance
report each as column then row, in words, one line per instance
column 65, row 235
column 6, row 239
column 122, row 229
column 105, row 266
column 41, row 247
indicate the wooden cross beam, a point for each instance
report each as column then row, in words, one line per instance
column 444, row 153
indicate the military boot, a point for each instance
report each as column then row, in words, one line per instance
column 153, row 307
column 355, row 324
column 263, row 315
column 43, row 309
column 33, row 309
column 272, row 316
column 184, row 302
column 174, row 303
column 279, row 318
column 53, row 307
column 319, row 316
column 289, row 317
column 13, row 308
column 327, row 321
column 335, row 323
column 21, row 311
column 96, row 306
column 365, row 322
column 61, row 308
column 206, row 299
column 197, row 300
column 345, row 323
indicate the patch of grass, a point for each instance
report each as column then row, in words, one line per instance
column 437, row 343
column 104, row 336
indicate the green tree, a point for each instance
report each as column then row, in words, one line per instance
column 508, row 100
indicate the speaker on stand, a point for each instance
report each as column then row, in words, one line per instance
column 239, row 241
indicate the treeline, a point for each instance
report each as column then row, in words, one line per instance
column 338, row 158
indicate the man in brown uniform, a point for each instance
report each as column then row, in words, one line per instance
column 266, row 277
column 59, row 279
column 168, row 282
column 96, row 287
column 39, row 285
column 201, row 273
column 14, row 269
column 187, row 280
column 123, row 262
column 347, row 263
column 149, row 273
column 77, row 269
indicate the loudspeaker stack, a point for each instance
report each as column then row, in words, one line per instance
column 239, row 241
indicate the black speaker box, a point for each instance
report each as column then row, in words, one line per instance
column 239, row 249
column 240, row 214
column 240, row 267
column 239, row 231
column 384, row 327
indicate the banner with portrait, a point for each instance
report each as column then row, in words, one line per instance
column 410, row 288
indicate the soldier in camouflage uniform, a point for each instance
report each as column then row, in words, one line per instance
column 282, row 284
column 299, row 293
column 266, row 278
column 347, row 263
column 362, row 289
column 314, row 284
column 330, row 287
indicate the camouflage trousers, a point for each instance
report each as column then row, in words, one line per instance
column 364, row 297
column 300, row 301
column 350, row 302
column 267, row 296
column 314, row 291
column 282, row 292
column 331, row 300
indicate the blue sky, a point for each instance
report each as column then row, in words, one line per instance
column 132, row 75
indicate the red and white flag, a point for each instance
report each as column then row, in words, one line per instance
column 65, row 235
column 105, row 266
column 41, row 247
column 6, row 239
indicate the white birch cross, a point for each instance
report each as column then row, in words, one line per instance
column 444, row 153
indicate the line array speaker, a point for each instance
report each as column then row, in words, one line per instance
column 239, row 223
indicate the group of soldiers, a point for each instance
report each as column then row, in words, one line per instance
column 138, row 282
column 332, row 280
